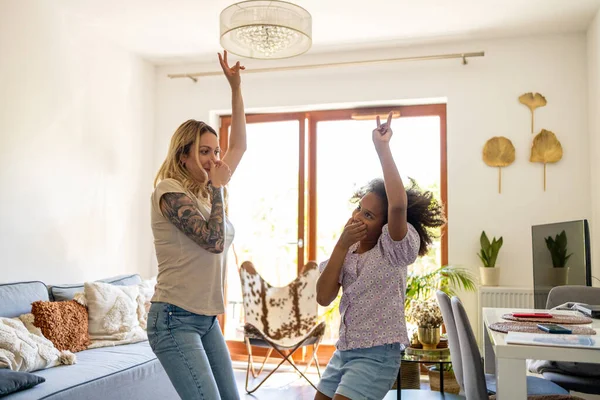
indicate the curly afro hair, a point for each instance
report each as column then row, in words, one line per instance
column 424, row 212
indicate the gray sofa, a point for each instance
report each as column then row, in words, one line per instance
column 126, row 372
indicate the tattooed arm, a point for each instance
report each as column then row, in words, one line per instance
column 183, row 212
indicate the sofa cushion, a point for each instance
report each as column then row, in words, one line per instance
column 67, row 292
column 64, row 323
column 112, row 311
column 23, row 348
column 100, row 372
column 13, row 381
column 16, row 298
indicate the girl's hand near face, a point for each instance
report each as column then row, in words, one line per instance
column 354, row 232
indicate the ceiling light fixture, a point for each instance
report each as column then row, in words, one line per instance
column 266, row 29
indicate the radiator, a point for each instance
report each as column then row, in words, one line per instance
column 505, row 297
column 502, row 297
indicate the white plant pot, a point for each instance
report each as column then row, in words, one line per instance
column 489, row 276
column 558, row 276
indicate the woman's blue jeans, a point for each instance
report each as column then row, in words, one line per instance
column 193, row 352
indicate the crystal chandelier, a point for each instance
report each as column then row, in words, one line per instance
column 266, row 29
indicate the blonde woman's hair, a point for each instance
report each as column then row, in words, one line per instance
column 185, row 140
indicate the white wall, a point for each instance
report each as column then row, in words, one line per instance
column 482, row 102
column 593, row 50
column 76, row 126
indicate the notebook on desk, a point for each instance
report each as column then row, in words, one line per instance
column 541, row 339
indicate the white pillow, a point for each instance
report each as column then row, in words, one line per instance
column 28, row 350
column 112, row 312
column 146, row 293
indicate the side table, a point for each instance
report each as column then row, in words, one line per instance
column 435, row 356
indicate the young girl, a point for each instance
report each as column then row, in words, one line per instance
column 388, row 230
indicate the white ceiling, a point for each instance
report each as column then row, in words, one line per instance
column 181, row 31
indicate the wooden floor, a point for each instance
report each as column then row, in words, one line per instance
column 285, row 385
column 280, row 386
column 288, row 385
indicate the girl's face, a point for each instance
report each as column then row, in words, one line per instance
column 199, row 163
column 370, row 211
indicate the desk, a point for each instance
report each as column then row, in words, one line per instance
column 507, row 361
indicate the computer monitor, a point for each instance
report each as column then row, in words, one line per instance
column 549, row 272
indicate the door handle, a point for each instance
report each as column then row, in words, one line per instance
column 299, row 243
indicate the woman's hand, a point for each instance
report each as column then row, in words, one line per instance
column 219, row 174
column 383, row 133
column 231, row 73
column 353, row 232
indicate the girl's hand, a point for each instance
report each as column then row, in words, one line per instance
column 383, row 133
column 231, row 73
column 219, row 173
column 353, row 232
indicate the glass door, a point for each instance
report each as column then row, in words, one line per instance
column 346, row 161
column 264, row 203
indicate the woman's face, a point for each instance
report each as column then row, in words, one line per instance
column 370, row 211
column 198, row 164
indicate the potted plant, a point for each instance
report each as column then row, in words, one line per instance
column 557, row 247
column 450, row 383
column 448, row 279
column 426, row 314
column 490, row 275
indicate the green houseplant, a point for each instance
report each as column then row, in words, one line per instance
column 488, row 254
column 557, row 247
column 447, row 278
column 422, row 286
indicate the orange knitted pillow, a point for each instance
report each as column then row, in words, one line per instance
column 64, row 323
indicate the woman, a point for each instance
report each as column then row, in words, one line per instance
column 192, row 235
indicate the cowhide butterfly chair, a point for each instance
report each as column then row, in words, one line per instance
column 283, row 319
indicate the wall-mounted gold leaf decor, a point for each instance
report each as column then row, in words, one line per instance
column 546, row 149
column 499, row 152
column 532, row 101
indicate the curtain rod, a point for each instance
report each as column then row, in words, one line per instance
column 193, row 76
